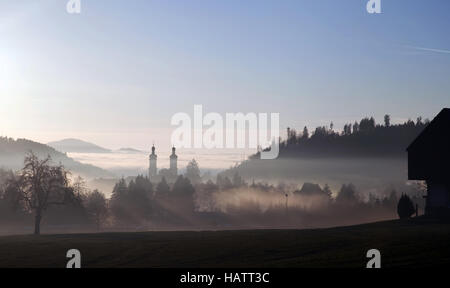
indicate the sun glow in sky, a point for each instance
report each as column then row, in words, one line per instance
column 115, row 74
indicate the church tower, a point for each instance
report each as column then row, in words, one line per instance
column 173, row 163
column 152, row 170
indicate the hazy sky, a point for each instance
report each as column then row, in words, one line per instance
column 116, row 73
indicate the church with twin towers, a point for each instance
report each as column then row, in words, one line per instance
column 170, row 174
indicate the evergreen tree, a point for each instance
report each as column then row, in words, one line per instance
column 355, row 127
column 327, row 190
column 387, row 120
column 118, row 203
column 120, row 190
column 237, row 180
column 193, row 172
column 140, row 193
column 405, row 207
column 162, row 189
column 347, row 194
column 182, row 187
column 96, row 207
column 305, row 134
column 182, row 195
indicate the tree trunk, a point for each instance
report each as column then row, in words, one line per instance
column 37, row 223
column 97, row 222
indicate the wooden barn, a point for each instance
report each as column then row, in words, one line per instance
column 429, row 160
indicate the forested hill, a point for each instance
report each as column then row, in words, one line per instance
column 12, row 153
column 361, row 139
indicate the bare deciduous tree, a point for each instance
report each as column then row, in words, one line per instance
column 42, row 185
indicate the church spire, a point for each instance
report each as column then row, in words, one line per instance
column 173, row 163
column 152, row 169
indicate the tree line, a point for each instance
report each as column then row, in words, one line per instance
column 363, row 138
column 42, row 191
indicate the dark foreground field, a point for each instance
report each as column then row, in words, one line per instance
column 412, row 243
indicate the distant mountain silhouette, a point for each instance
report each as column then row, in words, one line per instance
column 77, row 146
column 12, row 154
column 129, row 150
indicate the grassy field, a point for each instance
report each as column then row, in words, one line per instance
column 415, row 243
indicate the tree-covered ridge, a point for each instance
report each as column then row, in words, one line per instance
column 363, row 138
column 13, row 151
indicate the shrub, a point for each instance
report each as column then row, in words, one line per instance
column 405, row 207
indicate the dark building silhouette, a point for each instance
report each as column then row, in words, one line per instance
column 429, row 160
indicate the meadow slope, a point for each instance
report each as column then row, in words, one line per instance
column 414, row 243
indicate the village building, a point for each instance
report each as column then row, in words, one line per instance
column 429, row 160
